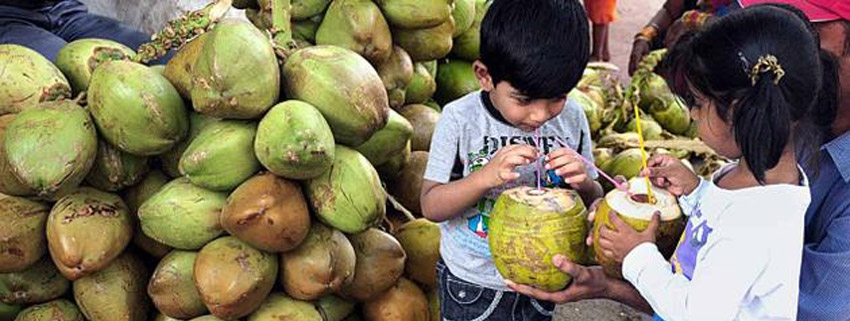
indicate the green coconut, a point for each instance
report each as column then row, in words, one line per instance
column 652, row 87
column 134, row 197
column 407, row 185
column 455, row 79
column 28, row 79
column 294, row 141
column 163, row 317
column 267, row 212
column 304, row 9
column 464, row 15
column 39, row 283
column 396, row 73
column 9, row 183
column 319, row 266
column 115, row 170
column 467, row 45
column 172, row 286
column 170, row 160
column 422, row 86
column 182, row 215
column 529, row 226
column 403, row 301
column 279, row 306
column 602, row 158
column 57, row 310
column 650, row 128
column 236, row 74
column 348, row 196
column 23, row 242
column 222, row 155
column 391, row 169
column 433, row 104
column 334, row 308
column 136, row 109
column 592, row 110
column 429, row 43
column 424, row 120
column 357, row 25
column 306, row 29
column 627, row 163
column 387, row 142
column 115, row 293
column 51, row 148
column 671, row 113
column 420, row 239
column 8, row 312
column 634, row 209
column 74, row 246
column 79, row 58
column 431, row 66
column 434, row 304
column 234, row 278
column 179, row 68
column 380, row 262
column 207, row 318
column 343, row 87
column 416, row 14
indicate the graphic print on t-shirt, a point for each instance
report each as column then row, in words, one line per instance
column 696, row 235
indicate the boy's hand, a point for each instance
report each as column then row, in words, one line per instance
column 668, row 172
column 616, row 244
column 587, row 283
column 500, row 169
column 570, row 166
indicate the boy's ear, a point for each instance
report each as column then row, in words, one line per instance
column 483, row 76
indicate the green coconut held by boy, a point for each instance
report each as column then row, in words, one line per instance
column 528, row 226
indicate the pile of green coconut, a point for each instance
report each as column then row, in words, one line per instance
column 270, row 171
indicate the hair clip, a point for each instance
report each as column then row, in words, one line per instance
column 767, row 63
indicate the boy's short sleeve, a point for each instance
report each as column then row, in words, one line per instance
column 444, row 149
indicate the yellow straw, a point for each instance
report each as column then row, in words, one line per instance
column 649, row 197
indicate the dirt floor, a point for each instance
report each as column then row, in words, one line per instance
column 634, row 14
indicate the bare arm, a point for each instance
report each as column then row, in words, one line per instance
column 441, row 202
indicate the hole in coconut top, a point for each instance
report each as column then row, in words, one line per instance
column 640, row 198
column 536, row 192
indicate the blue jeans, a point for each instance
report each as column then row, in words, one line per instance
column 464, row 301
column 48, row 29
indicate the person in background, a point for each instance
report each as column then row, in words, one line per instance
column 47, row 25
column 675, row 18
column 601, row 14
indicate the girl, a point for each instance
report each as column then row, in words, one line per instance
column 752, row 80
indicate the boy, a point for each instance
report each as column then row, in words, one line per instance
column 533, row 52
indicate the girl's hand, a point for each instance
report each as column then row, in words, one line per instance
column 617, row 243
column 587, row 283
column 668, row 172
column 501, row 168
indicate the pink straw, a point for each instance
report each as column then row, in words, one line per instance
column 539, row 163
column 588, row 162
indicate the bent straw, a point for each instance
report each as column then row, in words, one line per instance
column 617, row 184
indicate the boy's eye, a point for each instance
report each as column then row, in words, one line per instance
column 523, row 100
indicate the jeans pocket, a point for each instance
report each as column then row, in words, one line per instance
column 464, row 301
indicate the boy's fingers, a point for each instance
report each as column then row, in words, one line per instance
column 653, row 224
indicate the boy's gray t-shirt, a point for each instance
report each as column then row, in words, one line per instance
column 467, row 135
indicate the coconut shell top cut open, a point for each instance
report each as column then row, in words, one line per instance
column 529, row 226
column 636, row 211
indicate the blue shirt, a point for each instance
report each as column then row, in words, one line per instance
column 825, row 273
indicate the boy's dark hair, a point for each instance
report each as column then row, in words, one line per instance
column 716, row 64
column 541, row 47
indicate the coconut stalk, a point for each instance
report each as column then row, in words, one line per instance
column 179, row 31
